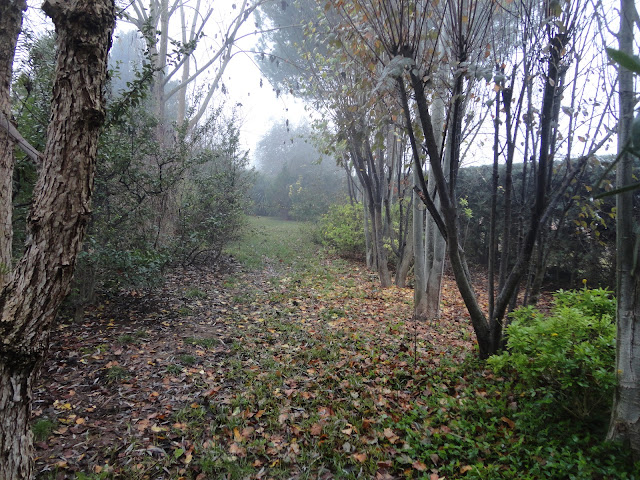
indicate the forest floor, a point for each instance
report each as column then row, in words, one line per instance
column 285, row 363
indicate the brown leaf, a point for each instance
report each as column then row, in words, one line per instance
column 509, row 422
column 418, row 465
column 359, row 457
column 316, row 429
column 235, row 449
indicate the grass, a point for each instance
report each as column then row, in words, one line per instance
column 42, row 429
column 205, row 342
column 276, row 243
column 117, row 373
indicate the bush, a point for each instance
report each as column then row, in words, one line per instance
column 569, row 354
column 342, row 229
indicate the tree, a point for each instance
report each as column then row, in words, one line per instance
column 625, row 417
column 295, row 179
column 155, row 22
column 412, row 46
column 34, row 289
column 10, row 24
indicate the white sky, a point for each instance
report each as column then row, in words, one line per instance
column 260, row 106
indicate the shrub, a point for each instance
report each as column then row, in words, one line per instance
column 569, row 354
column 342, row 229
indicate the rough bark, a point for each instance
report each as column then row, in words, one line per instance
column 10, row 25
column 59, row 215
column 625, row 416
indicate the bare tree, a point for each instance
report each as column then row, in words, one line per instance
column 177, row 70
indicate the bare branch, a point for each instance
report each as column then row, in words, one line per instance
column 24, row 145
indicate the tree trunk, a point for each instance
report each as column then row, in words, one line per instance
column 435, row 245
column 419, row 266
column 405, row 264
column 625, row 416
column 10, row 25
column 381, row 253
column 58, row 217
column 16, row 384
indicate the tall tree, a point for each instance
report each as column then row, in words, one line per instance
column 403, row 39
column 625, row 419
column 34, row 289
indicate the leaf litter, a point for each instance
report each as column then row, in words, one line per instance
column 273, row 373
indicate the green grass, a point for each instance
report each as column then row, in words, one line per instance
column 274, row 242
column 202, row 341
column 195, row 294
column 117, row 373
column 42, row 429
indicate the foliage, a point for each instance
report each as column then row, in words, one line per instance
column 568, row 354
column 475, row 425
column 342, row 229
column 213, row 201
column 160, row 198
column 580, row 231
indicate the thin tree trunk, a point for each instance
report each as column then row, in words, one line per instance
column 493, row 228
column 435, row 246
column 419, row 265
column 383, row 267
column 403, row 269
column 369, row 248
column 58, row 217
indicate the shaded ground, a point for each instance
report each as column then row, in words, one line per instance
column 278, row 372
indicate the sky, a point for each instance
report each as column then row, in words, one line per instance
column 260, row 107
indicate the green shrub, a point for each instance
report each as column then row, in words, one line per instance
column 342, row 229
column 569, row 354
column 596, row 302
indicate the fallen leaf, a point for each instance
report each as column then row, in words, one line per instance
column 360, row 457
column 316, row 429
column 418, row 465
column 509, row 422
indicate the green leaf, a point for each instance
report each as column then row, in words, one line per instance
column 630, row 62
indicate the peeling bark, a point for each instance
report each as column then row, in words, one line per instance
column 10, row 25
column 57, row 220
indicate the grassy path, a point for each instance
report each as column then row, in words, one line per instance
column 292, row 365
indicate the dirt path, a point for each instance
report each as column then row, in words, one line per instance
column 268, row 374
